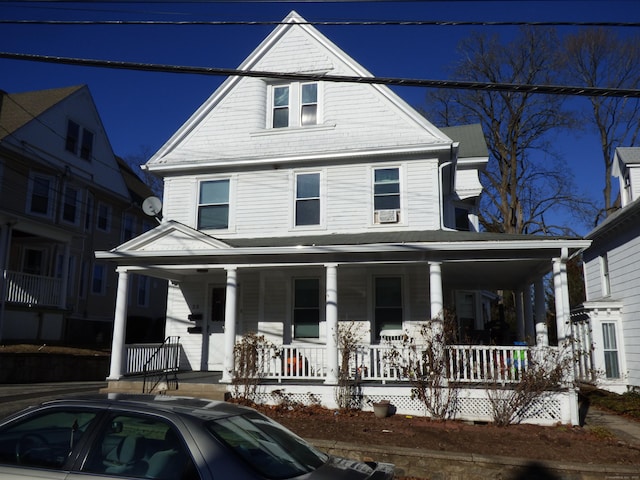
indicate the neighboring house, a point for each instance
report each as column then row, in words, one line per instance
column 612, row 281
column 295, row 206
column 63, row 195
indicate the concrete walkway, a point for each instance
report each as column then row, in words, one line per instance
column 623, row 428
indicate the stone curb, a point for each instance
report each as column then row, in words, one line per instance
column 436, row 465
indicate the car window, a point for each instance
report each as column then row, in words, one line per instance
column 140, row 446
column 268, row 447
column 45, row 439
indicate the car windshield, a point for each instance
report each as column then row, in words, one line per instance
column 271, row 449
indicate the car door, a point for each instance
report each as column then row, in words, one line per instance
column 43, row 444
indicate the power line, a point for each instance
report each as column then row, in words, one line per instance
column 402, row 23
column 402, row 82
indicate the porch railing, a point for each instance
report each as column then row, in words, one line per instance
column 148, row 357
column 29, row 289
column 463, row 363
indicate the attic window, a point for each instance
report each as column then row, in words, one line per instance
column 294, row 105
column 79, row 140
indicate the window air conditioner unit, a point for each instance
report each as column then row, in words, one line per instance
column 387, row 216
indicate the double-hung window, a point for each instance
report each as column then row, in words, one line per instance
column 306, row 308
column 128, row 227
column 71, row 205
column 294, row 105
column 610, row 350
column 103, row 222
column 99, row 279
column 386, row 195
column 307, row 199
column 388, row 303
column 41, row 195
column 79, row 140
column 213, row 204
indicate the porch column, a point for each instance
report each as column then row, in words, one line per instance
column 65, row 276
column 561, row 291
column 435, row 289
column 331, row 313
column 529, row 329
column 519, row 315
column 230, row 324
column 542, row 335
column 119, row 327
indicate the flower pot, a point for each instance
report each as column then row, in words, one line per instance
column 381, row 409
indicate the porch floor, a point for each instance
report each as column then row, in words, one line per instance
column 190, row 384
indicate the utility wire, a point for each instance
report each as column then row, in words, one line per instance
column 402, row 82
column 402, row 23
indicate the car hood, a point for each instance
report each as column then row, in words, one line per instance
column 338, row 468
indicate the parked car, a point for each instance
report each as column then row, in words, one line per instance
column 162, row 437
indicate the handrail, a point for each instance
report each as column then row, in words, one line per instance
column 164, row 360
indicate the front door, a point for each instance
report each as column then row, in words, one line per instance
column 217, row 299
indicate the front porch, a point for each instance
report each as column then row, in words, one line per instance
column 296, row 374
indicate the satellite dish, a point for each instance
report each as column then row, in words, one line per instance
column 152, row 206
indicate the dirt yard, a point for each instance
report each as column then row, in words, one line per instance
column 561, row 443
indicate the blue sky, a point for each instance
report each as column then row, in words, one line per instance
column 141, row 110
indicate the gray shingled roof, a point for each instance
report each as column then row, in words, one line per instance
column 18, row 109
column 629, row 154
column 471, row 138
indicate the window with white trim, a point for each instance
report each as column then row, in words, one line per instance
column 306, row 308
column 388, row 304
column 128, row 226
column 103, row 220
column 294, row 105
column 610, row 350
column 41, row 195
column 71, row 205
column 386, row 195
column 79, row 140
column 307, row 204
column 213, row 204
column 99, row 279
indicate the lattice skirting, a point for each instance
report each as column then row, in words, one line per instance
column 472, row 404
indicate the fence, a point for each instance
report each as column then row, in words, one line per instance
column 28, row 289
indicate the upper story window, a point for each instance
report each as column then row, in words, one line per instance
column 213, row 204
column 71, row 205
column 41, row 193
column 79, row 140
column 307, row 199
column 386, row 195
column 103, row 221
column 294, row 105
column 128, row 227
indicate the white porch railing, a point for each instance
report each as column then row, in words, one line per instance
column 464, row 363
column 28, row 289
column 154, row 356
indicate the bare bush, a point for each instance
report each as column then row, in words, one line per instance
column 424, row 362
column 348, row 393
column 251, row 354
column 546, row 372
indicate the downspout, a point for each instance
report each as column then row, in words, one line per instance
column 454, row 146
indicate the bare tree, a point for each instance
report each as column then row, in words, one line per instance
column 525, row 181
column 600, row 58
column 135, row 160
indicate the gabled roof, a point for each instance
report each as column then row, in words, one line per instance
column 18, row 109
column 214, row 137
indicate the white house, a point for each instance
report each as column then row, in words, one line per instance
column 293, row 205
column 612, row 281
